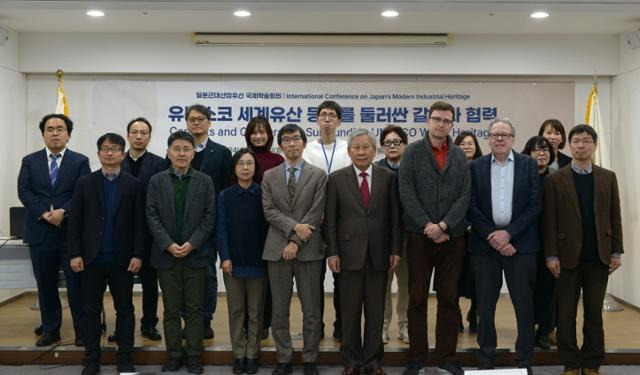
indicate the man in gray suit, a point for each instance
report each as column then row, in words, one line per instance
column 181, row 218
column 364, row 234
column 293, row 198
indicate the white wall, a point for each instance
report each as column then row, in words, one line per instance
column 176, row 54
column 625, row 156
column 13, row 99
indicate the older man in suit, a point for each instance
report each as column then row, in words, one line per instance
column 504, row 210
column 293, row 198
column 363, row 232
column 45, row 186
column 181, row 217
column 582, row 232
column 214, row 160
column 106, row 246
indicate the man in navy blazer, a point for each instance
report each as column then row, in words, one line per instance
column 143, row 164
column 45, row 185
column 504, row 210
column 106, row 244
column 214, row 160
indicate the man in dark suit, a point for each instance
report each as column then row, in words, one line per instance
column 181, row 217
column 143, row 164
column 364, row 238
column 582, row 232
column 214, row 160
column 106, row 243
column 293, row 199
column 45, row 186
column 504, row 210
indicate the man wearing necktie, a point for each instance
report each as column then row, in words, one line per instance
column 364, row 238
column 45, row 186
column 293, row 199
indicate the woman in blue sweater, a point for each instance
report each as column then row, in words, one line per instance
column 240, row 235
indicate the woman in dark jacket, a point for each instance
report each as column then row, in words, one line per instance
column 544, row 301
column 241, row 231
column 468, row 142
column 553, row 131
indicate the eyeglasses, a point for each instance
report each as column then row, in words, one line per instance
column 500, row 135
column 57, row 129
column 295, row 139
column 246, row 163
column 107, row 150
column 395, row 142
column 585, row 142
column 178, row 150
column 444, row 121
column 194, row 120
column 330, row 116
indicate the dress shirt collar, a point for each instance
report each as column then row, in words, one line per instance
column 509, row 158
column 189, row 173
column 61, row 153
column 111, row 176
column 252, row 189
column 201, row 146
column 368, row 171
column 587, row 170
column 298, row 166
column 138, row 157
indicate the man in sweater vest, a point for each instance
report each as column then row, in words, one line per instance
column 106, row 244
column 582, row 232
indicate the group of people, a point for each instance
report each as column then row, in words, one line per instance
column 435, row 207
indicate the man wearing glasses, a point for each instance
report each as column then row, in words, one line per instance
column 106, row 245
column 181, row 217
column 214, row 160
column 45, row 185
column 330, row 154
column 504, row 210
column 293, row 199
column 434, row 190
column 582, row 232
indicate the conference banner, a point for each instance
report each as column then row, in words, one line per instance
column 106, row 105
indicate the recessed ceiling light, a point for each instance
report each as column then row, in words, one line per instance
column 390, row 13
column 242, row 13
column 95, row 13
column 539, row 15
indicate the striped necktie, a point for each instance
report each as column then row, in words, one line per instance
column 53, row 169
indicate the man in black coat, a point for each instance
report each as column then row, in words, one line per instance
column 106, row 238
column 143, row 164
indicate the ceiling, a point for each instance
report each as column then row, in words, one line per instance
column 332, row 16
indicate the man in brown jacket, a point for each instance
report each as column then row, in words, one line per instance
column 582, row 233
column 363, row 233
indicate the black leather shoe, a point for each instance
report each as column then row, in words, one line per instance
column 310, row 368
column 78, row 342
column 91, row 368
column 239, row 365
column 282, row 369
column 207, row 330
column 39, row 330
column 251, row 366
column 172, row 365
column 112, row 337
column 265, row 333
column 150, row 333
column 194, row 364
column 48, row 338
column 337, row 334
column 543, row 342
column 125, row 366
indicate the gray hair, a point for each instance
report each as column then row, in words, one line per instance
column 504, row 120
column 358, row 132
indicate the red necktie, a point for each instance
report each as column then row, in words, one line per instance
column 364, row 189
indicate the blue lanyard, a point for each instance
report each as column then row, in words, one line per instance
column 326, row 159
